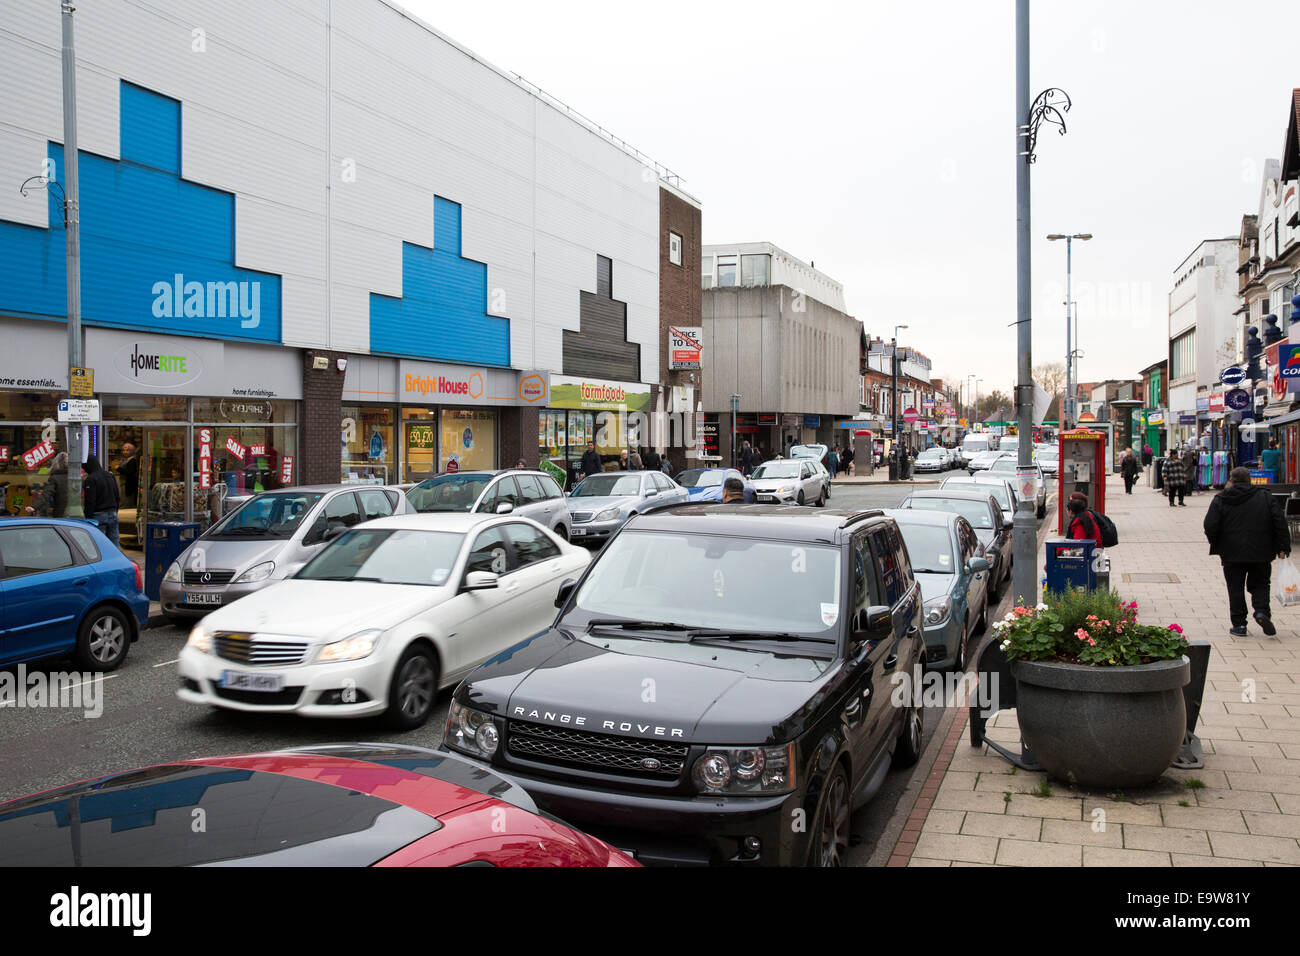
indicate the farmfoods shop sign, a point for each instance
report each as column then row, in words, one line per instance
column 572, row 392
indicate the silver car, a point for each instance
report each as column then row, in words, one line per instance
column 600, row 504
column 789, row 481
column 1006, row 467
column 1002, row 489
column 529, row 494
column 267, row 539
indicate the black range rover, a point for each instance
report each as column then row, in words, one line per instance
column 717, row 687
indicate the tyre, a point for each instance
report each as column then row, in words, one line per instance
column 821, row 500
column 413, row 689
column 910, row 738
column 982, row 625
column 828, row 492
column 800, row 500
column 103, row 639
column 830, row 837
column 959, row 663
column 563, row 532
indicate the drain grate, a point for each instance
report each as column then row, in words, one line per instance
column 1145, row 577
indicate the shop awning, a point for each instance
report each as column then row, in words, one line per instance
column 1286, row 419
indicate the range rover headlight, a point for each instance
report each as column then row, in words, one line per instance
column 745, row 771
column 609, row 514
column 471, row 731
column 200, row 639
column 936, row 611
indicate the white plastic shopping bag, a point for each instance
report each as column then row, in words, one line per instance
column 1286, row 584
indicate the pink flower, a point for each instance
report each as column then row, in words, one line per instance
column 1082, row 635
column 1105, row 623
column 1175, row 628
column 1092, row 642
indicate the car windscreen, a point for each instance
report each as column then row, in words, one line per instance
column 276, row 514
column 976, row 512
column 998, row 490
column 701, row 479
column 447, row 493
column 251, row 818
column 929, row 547
column 608, row 486
column 932, row 453
column 387, row 556
column 1004, row 464
column 778, row 469
column 712, row 581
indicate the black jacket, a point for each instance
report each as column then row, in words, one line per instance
column 1130, row 467
column 99, row 490
column 591, row 464
column 54, row 498
column 1245, row 524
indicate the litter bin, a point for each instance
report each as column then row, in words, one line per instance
column 1070, row 564
column 163, row 545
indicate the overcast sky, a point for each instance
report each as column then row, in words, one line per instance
column 877, row 139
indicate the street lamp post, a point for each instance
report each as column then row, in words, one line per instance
column 896, row 468
column 1067, row 406
column 72, row 229
column 735, row 412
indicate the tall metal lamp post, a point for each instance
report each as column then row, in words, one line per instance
column 1067, row 406
column 896, row 460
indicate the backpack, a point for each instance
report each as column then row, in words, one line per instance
column 1109, row 533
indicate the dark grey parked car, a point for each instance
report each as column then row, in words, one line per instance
column 530, row 494
column 985, row 516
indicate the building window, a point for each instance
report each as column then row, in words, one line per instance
column 726, row 272
column 706, row 271
column 604, row 277
column 755, row 270
column 674, row 248
column 1182, row 357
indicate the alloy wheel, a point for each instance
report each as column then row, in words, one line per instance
column 835, row 823
column 107, row 638
column 415, row 687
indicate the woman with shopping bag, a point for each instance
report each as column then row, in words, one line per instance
column 1247, row 529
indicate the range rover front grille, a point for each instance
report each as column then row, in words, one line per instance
column 260, row 652
column 631, row 756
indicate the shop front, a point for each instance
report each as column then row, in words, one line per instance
column 613, row 416
column 405, row 421
column 184, row 422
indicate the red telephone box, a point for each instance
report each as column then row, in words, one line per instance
column 1082, row 468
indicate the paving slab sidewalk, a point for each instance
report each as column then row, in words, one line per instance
column 1242, row 809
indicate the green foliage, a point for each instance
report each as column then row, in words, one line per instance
column 1044, row 789
column 1191, row 783
column 1087, row 627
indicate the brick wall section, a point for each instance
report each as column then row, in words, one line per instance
column 680, row 296
column 319, row 452
column 518, row 436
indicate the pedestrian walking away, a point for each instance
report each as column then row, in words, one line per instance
column 846, row 459
column 1191, row 467
column 1271, row 459
column 1246, row 528
column 634, row 459
column 1129, row 469
column 101, row 499
column 1174, row 475
column 832, row 461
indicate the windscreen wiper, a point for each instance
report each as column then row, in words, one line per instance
column 640, row 625
column 723, row 634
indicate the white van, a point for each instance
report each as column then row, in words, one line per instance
column 972, row 445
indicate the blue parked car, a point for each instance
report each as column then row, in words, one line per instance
column 65, row 589
column 705, row 484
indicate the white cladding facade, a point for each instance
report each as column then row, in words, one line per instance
column 335, row 125
column 1203, row 298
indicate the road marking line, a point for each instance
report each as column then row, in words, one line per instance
column 165, row 663
column 92, row 680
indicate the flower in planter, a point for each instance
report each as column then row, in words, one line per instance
column 1088, row 627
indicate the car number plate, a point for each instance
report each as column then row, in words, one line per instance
column 195, row 597
column 767, row 497
column 264, row 683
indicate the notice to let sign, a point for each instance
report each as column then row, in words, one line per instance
column 34, row 456
column 236, row 449
column 685, row 343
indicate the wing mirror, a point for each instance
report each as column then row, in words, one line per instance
column 976, row 565
column 333, row 531
column 505, row 508
column 1008, row 525
column 652, row 493
column 480, row 581
column 566, row 589
column 873, row 624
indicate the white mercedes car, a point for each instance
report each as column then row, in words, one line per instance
column 385, row 616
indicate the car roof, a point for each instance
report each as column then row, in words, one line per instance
column 912, row 516
column 321, row 489
column 451, row 521
column 945, row 493
column 754, row 521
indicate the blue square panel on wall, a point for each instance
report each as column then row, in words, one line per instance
column 442, row 313
column 157, row 251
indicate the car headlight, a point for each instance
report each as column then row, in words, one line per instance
column 258, row 572
column 200, row 639
column 352, row 648
column 746, row 771
column 609, row 514
column 784, row 490
column 936, row 611
column 173, row 575
column 471, row 731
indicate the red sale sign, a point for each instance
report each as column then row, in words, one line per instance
column 286, row 470
column 34, row 456
column 205, row 458
column 4, row 453
column 257, row 450
column 236, row 449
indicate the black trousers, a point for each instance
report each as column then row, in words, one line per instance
column 1128, row 484
column 1179, row 490
column 1241, row 577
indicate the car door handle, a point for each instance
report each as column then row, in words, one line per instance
column 891, row 661
column 80, row 582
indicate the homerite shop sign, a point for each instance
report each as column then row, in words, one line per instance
column 33, row 457
column 205, row 458
column 685, row 343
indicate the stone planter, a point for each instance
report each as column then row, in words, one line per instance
column 1102, row 727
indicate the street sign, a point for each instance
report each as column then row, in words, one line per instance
column 79, row 410
column 1232, row 375
column 81, row 382
column 1238, row 399
column 910, row 415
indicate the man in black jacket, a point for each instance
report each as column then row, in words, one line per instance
column 101, row 499
column 1247, row 529
column 591, row 463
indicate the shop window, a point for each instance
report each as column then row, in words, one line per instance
column 469, row 439
column 726, row 271
column 369, row 449
column 419, row 427
column 250, row 410
column 28, row 406
column 145, row 408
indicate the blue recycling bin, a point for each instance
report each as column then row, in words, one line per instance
column 164, row 542
column 1070, row 564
